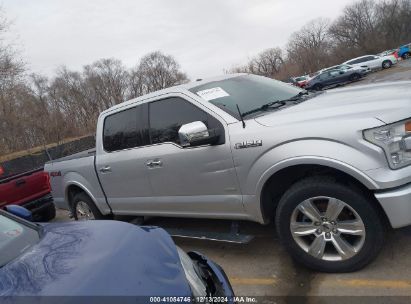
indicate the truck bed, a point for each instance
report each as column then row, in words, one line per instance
column 82, row 154
column 76, row 170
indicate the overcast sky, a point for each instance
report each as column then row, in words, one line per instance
column 205, row 36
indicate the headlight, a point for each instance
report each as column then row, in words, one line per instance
column 197, row 285
column 395, row 140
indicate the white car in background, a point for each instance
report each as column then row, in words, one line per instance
column 374, row 62
column 362, row 69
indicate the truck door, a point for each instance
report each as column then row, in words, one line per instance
column 189, row 180
column 121, row 162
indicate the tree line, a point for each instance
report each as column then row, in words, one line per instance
column 364, row 27
column 36, row 110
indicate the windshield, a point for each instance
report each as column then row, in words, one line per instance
column 249, row 92
column 14, row 239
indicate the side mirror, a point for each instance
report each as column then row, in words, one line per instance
column 196, row 134
column 20, row 212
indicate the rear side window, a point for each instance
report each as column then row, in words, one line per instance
column 126, row 129
column 168, row 115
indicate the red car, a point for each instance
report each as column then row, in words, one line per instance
column 393, row 52
column 30, row 190
column 301, row 81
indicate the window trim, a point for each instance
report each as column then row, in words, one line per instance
column 212, row 110
column 144, row 107
column 171, row 142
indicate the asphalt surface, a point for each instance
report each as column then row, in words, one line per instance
column 262, row 268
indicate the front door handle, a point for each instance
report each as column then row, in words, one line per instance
column 105, row 169
column 20, row 182
column 154, row 163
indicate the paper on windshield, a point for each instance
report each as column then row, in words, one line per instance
column 213, row 93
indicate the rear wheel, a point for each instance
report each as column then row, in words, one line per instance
column 328, row 226
column 84, row 209
column 406, row 56
column 386, row 64
column 318, row 87
column 48, row 213
column 355, row 77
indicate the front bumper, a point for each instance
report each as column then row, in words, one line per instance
column 397, row 205
column 221, row 285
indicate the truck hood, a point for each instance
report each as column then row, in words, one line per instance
column 387, row 102
column 97, row 258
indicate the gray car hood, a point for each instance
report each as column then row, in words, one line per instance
column 387, row 102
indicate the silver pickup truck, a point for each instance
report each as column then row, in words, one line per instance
column 332, row 169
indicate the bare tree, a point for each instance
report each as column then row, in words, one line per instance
column 309, row 47
column 358, row 28
column 394, row 22
column 107, row 80
column 157, row 71
column 267, row 63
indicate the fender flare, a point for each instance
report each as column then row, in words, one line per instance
column 316, row 160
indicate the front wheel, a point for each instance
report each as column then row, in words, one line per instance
column 406, row 56
column 386, row 64
column 317, row 87
column 355, row 77
column 328, row 226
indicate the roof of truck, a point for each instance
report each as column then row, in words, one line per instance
column 175, row 89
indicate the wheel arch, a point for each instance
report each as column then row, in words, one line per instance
column 278, row 181
column 73, row 189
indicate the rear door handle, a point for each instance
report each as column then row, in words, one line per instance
column 105, row 169
column 154, row 163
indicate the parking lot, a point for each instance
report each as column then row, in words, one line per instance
column 263, row 268
column 401, row 71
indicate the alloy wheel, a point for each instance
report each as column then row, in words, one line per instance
column 327, row 228
column 84, row 212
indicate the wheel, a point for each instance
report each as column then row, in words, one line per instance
column 406, row 55
column 83, row 208
column 317, row 87
column 48, row 213
column 355, row 77
column 386, row 64
column 328, row 226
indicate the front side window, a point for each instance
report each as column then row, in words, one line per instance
column 248, row 92
column 15, row 238
column 124, row 130
column 168, row 115
column 323, row 76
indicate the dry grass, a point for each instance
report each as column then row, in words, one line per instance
column 38, row 149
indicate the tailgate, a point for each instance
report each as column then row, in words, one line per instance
column 24, row 188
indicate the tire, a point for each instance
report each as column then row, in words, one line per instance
column 48, row 213
column 406, row 56
column 355, row 77
column 82, row 204
column 317, row 87
column 386, row 64
column 366, row 245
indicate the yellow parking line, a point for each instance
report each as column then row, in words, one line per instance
column 253, row 281
column 352, row 283
column 395, row 284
